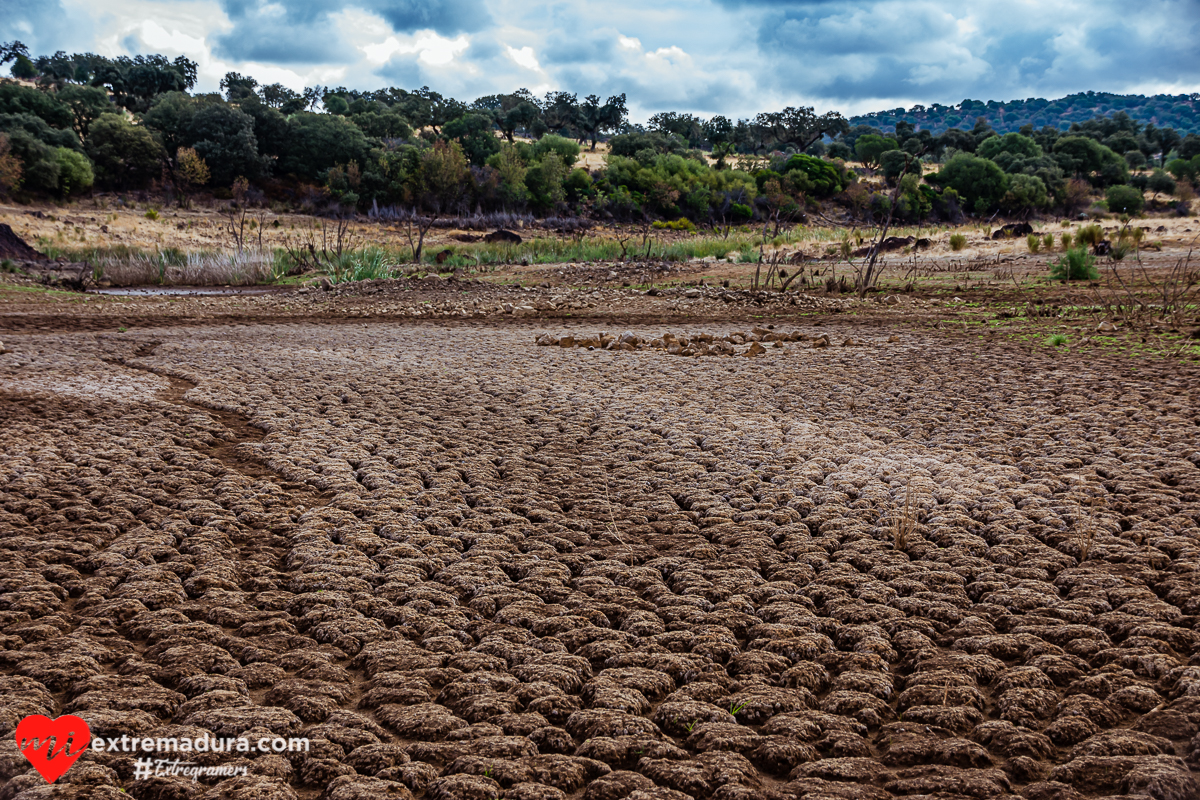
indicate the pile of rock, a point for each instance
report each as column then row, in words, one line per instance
column 700, row 344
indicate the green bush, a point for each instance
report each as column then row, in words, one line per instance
column 1075, row 265
column 564, row 148
column 1089, row 236
column 979, row 182
column 1123, row 199
column 1034, row 242
column 1066, row 241
column 681, row 224
column 957, row 241
column 893, row 163
column 1184, row 169
column 474, row 132
column 1048, row 242
column 871, row 147
column 1160, row 183
column 1025, row 192
column 74, row 172
column 825, row 178
column 840, row 150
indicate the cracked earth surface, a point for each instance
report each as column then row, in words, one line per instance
column 465, row 566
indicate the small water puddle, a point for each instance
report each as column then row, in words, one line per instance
column 186, row 291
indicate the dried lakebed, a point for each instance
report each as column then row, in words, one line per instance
column 465, row 566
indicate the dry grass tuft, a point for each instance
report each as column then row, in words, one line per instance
column 904, row 522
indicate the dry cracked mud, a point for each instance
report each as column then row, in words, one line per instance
column 465, row 566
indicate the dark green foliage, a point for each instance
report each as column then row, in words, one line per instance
column 594, row 118
column 578, row 185
column 1013, row 143
column 39, row 166
column 1135, row 159
column 125, row 156
column 1076, row 264
column 1179, row 111
column 565, row 149
column 87, row 103
column 474, row 132
column 224, row 137
column 238, row 87
column 957, row 140
column 718, row 130
column 1161, row 183
column 270, row 128
column 1189, row 147
column 979, row 182
column 37, row 128
column 687, row 127
column 18, row 99
column 386, row 124
column 630, row 144
column 135, row 82
column 1025, row 192
column 673, row 186
column 24, row 68
column 276, row 95
column 75, row 173
column 440, row 181
column 41, row 149
column 915, row 200
column 12, row 50
column 61, row 68
column 559, row 112
column 841, row 151
column 1125, row 199
column 222, row 134
column 336, row 104
column 1088, row 159
column 320, row 141
column 545, row 183
column 871, row 147
column 1185, row 170
column 825, row 178
column 794, row 127
column 894, row 163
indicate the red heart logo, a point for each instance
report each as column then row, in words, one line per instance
column 44, row 742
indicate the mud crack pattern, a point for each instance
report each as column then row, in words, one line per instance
column 468, row 567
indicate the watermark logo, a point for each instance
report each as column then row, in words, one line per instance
column 52, row 745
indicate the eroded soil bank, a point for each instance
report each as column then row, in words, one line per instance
column 465, row 566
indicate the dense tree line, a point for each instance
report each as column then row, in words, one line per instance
column 131, row 124
column 1181, row 112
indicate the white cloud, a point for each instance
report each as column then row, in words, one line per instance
column 524, row 57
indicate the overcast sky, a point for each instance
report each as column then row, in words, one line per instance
column 733, row 57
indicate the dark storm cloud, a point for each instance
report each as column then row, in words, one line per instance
column 305, row 31
column 851, row 50
column 42, row 26
column 564, row 49
column 447, row 17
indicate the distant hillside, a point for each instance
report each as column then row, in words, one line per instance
column 1181, row 112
